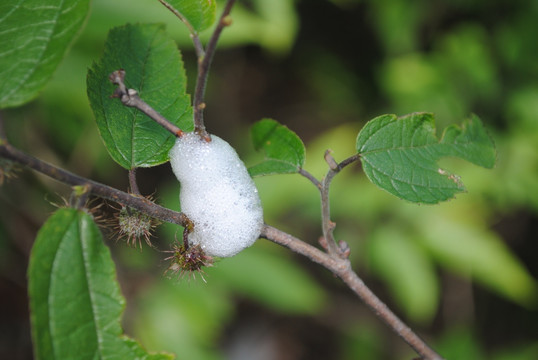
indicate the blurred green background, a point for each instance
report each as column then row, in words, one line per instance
column 463, row 273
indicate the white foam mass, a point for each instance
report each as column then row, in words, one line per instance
column 217, row 194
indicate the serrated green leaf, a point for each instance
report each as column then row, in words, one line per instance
column 34, row 36
column 75, row 300
column 199, row 14
column 154, row 68
column 400, row 155
column 283, row 149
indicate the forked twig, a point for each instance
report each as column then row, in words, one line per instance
column 336, row 258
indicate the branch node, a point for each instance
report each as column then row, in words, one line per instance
column 323, row 242
column 344, row 249
column 331, row 225
column 203, row 134
column 333, row 165
column 227, row 20
column 79, row 196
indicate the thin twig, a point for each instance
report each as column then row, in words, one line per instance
column 348, row 161
column 133, row 185
column 342, row 268
column 139, row 203
column 326, row 223
column 179, row 15
column 336, row 259
column 198, row 47
column 310, row 177
column 204, row 63
column 193, row 33
column 129, row 97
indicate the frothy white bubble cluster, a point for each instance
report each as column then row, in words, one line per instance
column 217, row 194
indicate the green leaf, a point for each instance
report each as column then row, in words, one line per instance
column 35, row 35
column 75, row 300
column 286, row 287
column 481, row 255
column 400, row 155
column 154, row 68
column 185, row 317
column 199, row 14
column 407, row 270
column 460, row 343
column 283, row 149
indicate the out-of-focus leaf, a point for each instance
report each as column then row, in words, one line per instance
column 407, row 270
column 283, row 149
column 460, row 344
column 154, row 68
column 183, row 316
column 199, row 14
column 285, row 286
column 480, row 254
column 522, row 352
column 400, row 155
column 364, row 342
column 75, row 300
column 272, row 24
column 35, row 35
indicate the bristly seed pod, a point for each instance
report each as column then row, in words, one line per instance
column 134, row 226
column 188, row 260
column 7, row 170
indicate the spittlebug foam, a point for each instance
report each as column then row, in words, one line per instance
column 217, row 194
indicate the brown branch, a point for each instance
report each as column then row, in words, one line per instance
column 204, row 62
column 139, row 203
column 342, row 268
column 310, row 177
column 326, row 223
column 133, row 185
column 336, row 258
column 129, row 97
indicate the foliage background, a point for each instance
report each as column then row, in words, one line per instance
column 462, row 273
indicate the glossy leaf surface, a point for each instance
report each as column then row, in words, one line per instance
column 75, row 300
column 400, row 155
column 154, row 68
column 199, row 14
column 35, row 34
column 283, row 149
